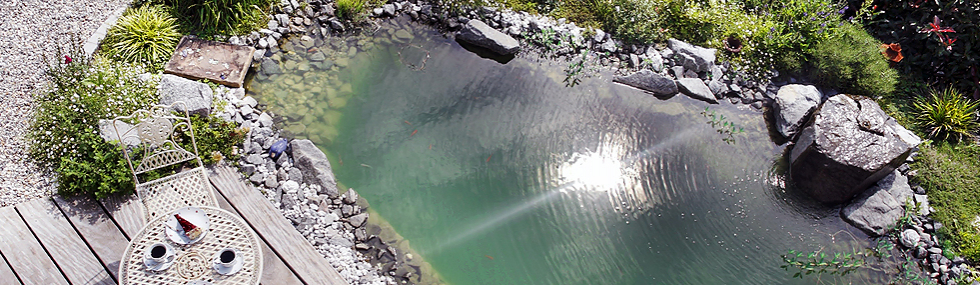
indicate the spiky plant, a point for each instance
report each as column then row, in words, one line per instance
column 947, row 115
column 145, row 35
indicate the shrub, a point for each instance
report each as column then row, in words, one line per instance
column 64, row 127
column 946, row 115
column 215, row 138
column 145, row 35
column 949, row 174
column 220, row 16
column 851, row 63
column 350, row 9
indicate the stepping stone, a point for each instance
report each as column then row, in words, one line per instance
column 222, row 63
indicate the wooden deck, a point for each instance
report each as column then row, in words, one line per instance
column 80, row 240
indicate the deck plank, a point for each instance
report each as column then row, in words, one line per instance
column 96, row 228
column 126, row 211
column 274, row 271
column 6, row 274
column 63, row 244
column 279, row 233
column 24, row 253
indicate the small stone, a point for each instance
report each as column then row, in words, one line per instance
column 909, row 238
column 350, row 197
column 358, row 220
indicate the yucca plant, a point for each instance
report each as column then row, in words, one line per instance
column 145, row 35
column 947, row 115
column 350, row 9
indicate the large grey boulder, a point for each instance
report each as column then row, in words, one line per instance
column 197, row 96
column 693, row 58
column 647, row 80
column 315, row 167
column 881, row 206
column 850, row 145
column 793, row 106
column 695, row 88
column 477, row 32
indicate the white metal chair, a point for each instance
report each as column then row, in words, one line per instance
column 155, row 131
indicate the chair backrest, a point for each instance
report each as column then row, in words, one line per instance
column 155, row 130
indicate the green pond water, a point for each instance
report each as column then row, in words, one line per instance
column 500, row 174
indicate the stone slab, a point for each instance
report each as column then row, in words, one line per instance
column 222, row 63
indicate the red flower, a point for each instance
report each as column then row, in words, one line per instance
column 892, row 51
column 67, row 59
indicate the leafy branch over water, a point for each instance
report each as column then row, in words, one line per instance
column 722, row 125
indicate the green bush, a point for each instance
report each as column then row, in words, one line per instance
column 64, row 130
column 850, row 62
column 215, row 138
column 64, row 127
column 350, row 9
column 947, row 115
column 949, row 174
column 210, row 17
column 145, row 35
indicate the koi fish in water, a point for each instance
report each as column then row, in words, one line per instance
column 413, row 133
column 489, row 257
column 407, row 123
column 488, row 158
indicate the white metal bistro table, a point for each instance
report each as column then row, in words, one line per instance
column 193, row 262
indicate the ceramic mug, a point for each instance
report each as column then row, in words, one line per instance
column 159, row 253
column 227, row 257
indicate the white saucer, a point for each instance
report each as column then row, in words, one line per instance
column 159, row 266
column 216, row 265
column 193, row 215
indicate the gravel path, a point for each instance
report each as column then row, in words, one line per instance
column 30, row 30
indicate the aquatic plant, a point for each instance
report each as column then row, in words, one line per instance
column 576, row 70
column 947, row 115
column 145, row 35
column 722, row 125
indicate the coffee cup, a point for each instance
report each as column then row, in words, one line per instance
column 227, row 257
column 159, row 253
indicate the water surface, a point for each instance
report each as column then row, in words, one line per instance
column 500, row 174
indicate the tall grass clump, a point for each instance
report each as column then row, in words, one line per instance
column 145, row 35
column 211, row 17
column 64, row 130
column 350, row 9
column 947, row 115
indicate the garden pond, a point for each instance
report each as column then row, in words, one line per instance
column 501, row 174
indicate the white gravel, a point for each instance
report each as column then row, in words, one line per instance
column 29, row 31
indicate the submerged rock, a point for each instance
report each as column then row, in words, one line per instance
column 879, row 208
column 659, row 85
column 850, row 145
column 695, row 88
column 793, row 106
column 314, row 166
column 477, row 32
column 197, row 96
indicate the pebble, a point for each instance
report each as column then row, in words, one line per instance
column 33, row 30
